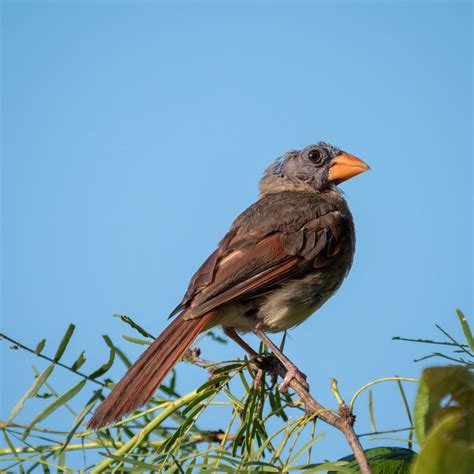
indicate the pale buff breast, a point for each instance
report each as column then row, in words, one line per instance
column 283, row 308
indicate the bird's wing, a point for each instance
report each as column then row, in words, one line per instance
column 249, row 263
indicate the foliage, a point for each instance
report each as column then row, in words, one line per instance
column 444, row 407
column 444, row 413
column 263, row 430
column 384, row 460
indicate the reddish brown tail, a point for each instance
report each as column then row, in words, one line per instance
column 145, row 376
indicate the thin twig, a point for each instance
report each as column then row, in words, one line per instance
column 375, row 433
column 375, row 382
column 49, row 359
column 428, row 341
column 208, row 437
column 453, row 340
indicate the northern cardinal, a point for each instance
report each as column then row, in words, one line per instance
column 281, row 260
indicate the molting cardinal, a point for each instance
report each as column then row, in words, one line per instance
column 281, row 260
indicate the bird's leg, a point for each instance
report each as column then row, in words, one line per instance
column 282, row 346
column 283, row 340
column 236, row 338
column 292, row 372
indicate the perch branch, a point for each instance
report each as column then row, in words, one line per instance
column 344, row 422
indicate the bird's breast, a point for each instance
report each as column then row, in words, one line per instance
column 296, row 300
column 285, row 307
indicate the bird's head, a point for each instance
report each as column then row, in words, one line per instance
column 317, row 167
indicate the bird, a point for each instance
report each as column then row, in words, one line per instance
column 281, row 260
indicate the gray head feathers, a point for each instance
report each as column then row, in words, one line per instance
column 300, row 170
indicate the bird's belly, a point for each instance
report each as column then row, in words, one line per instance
column 285, row 307
column 296, row 301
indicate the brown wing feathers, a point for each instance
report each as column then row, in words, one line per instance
column 144, row 377
column 246, row 262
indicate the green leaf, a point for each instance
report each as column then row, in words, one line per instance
column 422, row 406
column 217, row 381
column 371, row 411
column 305, row 448
column 466, row 329
column 441, row 453
column 11, row 446
column 136, row 340
column 134, row 325
column 179, row 434
column 384, row 460
column 222, row 468
column 234, row 399
column 216, row 338
column 31, row 392
column 131, row 461
column 79, row 362
column 64, row 342
column 105, row 367
column 227, row 368
column 264, row 466
column 443, row 391
column 40, row 346
column 280, row 411
column 80, row 418
column 444, row 421
column 337, row 466
column 407, row 407
column 200, row 396
column 64, row 398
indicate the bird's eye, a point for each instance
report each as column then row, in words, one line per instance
column 316, row 156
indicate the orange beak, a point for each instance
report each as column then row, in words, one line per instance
column 345, row 166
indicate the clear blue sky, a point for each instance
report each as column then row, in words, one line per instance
column 133, row 134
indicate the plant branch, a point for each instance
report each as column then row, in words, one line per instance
column 210, row 436
column 374, row 382
column 428, row 341
column 344, row 422
column 49, row 359
column 103, row 465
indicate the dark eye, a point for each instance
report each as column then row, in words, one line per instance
column 316, row 156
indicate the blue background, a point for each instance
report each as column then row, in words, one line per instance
column 133, row 134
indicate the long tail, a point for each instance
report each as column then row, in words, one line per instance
column 145, row 376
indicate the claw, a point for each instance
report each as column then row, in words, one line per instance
column 293, row 373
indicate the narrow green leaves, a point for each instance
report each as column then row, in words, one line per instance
column 105, row 367
column 382, row 461
column 32, row 391
column 136, row 340
column 126, row 319
column 61, row 400
column 64, row 342
column 466, row 330
column 305, row 447
column 80, row 418
column 40, row 346
column 79, row 362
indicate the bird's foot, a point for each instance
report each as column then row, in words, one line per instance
column 266, row 362
column 293, row 373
